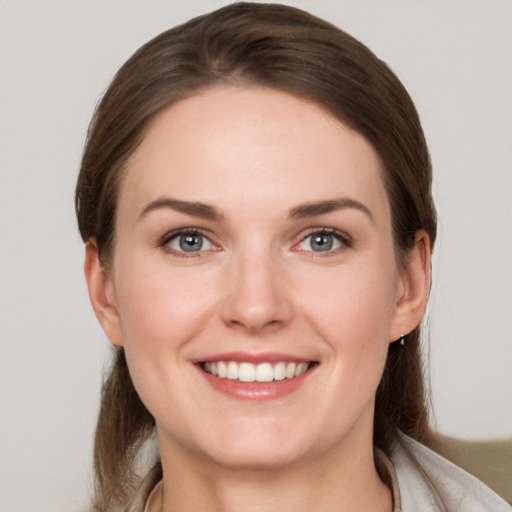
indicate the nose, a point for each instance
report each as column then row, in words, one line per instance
column 257, row 298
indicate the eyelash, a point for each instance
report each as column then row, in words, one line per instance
column 343, row 238
column 174, row 235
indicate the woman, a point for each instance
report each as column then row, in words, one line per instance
column 255, row 200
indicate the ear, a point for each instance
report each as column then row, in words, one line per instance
column 414, row 288
column 102, row 294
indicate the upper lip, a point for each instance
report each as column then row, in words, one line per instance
column 267, row 357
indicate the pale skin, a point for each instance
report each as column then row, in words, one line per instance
column 274, row 275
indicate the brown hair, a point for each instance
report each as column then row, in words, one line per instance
column 287, row 49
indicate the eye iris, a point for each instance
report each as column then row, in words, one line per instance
column 321, row 242
column 191, row 243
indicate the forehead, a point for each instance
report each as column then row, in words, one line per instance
column 244, row 146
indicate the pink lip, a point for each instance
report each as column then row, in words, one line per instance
column 257, row 391
column 270, row 357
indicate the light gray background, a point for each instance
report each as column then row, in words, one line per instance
column 57, row 57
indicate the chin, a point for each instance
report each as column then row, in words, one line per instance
column 255, row 459
column 258, row 449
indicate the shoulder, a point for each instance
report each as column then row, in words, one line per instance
column 430, row 483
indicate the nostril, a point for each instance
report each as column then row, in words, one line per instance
column 253, row 326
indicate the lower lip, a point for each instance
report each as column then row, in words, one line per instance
column 258, row 391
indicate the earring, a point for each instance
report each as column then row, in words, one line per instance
column 402, row 340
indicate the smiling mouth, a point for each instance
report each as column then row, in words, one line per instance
column 263, row 372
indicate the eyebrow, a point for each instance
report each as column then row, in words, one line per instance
column 210, row 212
column 328, row 206
column 196, row 209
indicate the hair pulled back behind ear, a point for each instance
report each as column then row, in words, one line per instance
column 269, row 45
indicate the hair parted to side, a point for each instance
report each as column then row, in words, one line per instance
column 269, row 45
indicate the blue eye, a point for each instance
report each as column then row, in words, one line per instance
column 188, row 242
column 322, row 241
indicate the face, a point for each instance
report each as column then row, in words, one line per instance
column 254, row 284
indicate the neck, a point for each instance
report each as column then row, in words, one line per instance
column 331, row 481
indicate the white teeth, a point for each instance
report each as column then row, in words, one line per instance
column 232, row 371
column 248, row 372
column 279, row 371
column 300, row 369
column 290, row 370
column 221, row 369
column 264, row 372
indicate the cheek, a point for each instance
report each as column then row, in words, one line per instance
column 354, row 304
column 352, row 312
column 160, row 306
column 160, row 313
